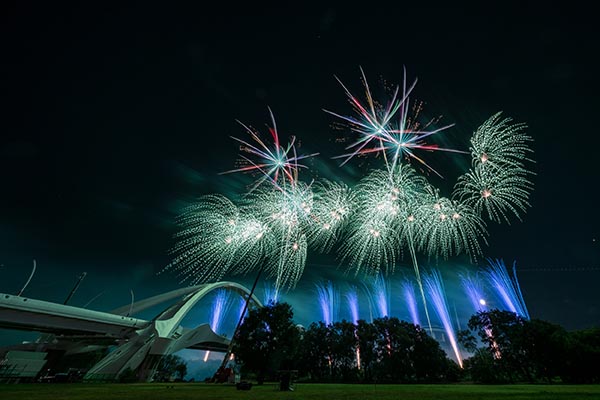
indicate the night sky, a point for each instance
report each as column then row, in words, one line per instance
column 113, row 118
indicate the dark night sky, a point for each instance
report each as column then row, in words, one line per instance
column 113, row 117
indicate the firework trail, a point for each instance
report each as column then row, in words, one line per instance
column 389, row 216
column 242, row 311
column 435, row 288
column 378, row 291
column 328, row 296
column 408, row 291
column 352, row 298
column 220, row 306
column 507, row 286
column 473, row 287
column 271, row 294
column 441, row 227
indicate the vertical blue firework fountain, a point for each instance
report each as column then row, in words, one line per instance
column 220, row 306
column 408, row 291
column 379, row 295
column 241, row 309
column 270, row 294
column 435, row 288
column 328, row 301
column 352, row 298
column 507, row 286
column 473, row 287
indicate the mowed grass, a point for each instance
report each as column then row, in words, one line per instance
column 182, row 391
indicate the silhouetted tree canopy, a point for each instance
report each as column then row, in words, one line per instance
column 267, row 341
column 514, row 349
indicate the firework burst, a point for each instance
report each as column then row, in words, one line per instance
column 333, row 202
column 275, row 163
column 498, row 184
column 396, row 209
column 449, row 227
column 287, row 213
column 392, row 130
column 384, row 204
column 389, row 211
column 216, row 238
column 499, row 142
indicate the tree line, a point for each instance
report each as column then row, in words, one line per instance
column 503, row 348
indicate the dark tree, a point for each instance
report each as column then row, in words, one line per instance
column 387, row 350
column 328, row 352
column 267, row 341
column 405, row 353
column 430, row 362
column 367, row 336
column 170, row 366
column 503, row 335
column 393, row 346
column 545, row 349
column 344, row 344
column 582, row 361
column 181, row 370
column 482, row 367
column 315, row 353
column 515, row 349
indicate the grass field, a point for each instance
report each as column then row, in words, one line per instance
column 202, row 391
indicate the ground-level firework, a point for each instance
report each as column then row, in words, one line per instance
column 408, row 293
column 328, row 296
column 435, row 288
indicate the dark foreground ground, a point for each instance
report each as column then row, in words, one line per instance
column 182, row 391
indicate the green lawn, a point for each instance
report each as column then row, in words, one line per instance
column 203, row 391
